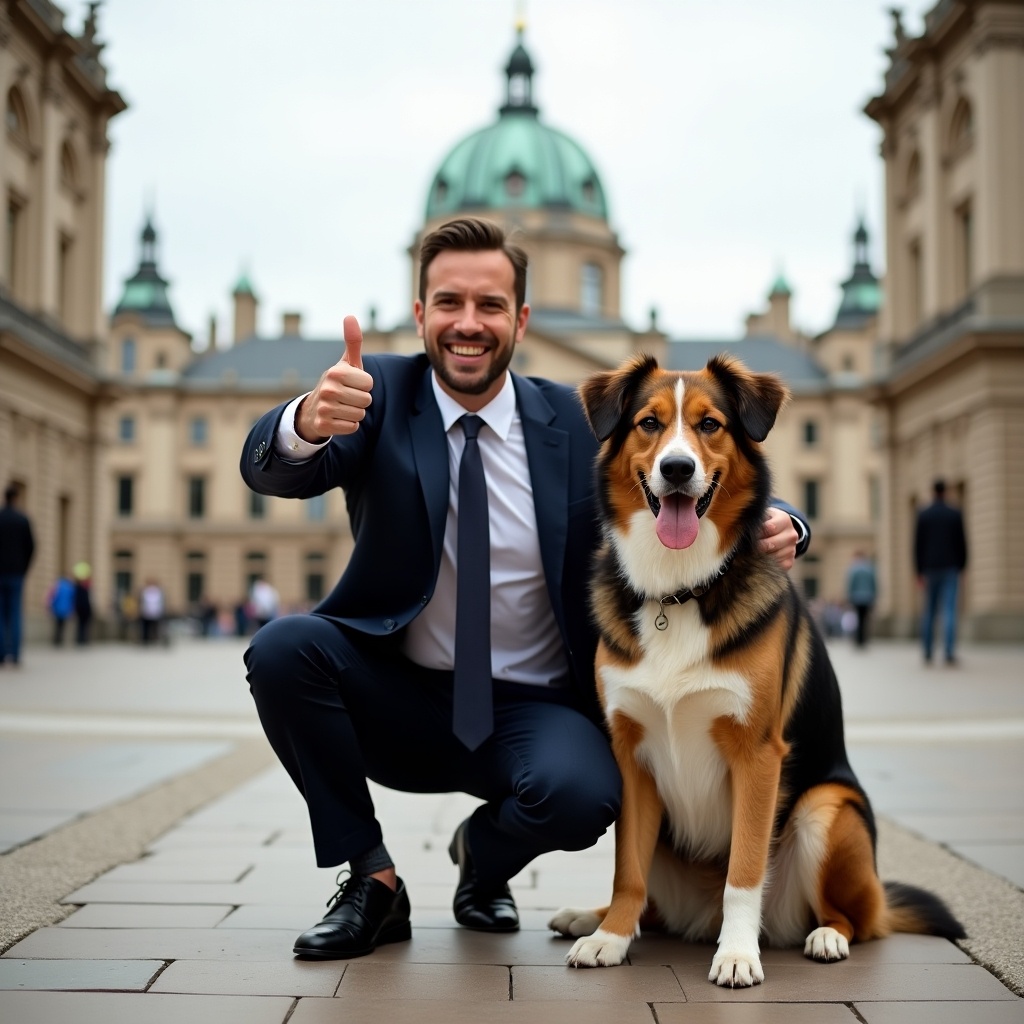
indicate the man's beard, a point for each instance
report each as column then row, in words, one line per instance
column 458, row 382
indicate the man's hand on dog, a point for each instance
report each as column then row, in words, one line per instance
column 338, row 403
column 779, row 538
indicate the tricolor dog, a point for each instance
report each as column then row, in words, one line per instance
column 741, row 817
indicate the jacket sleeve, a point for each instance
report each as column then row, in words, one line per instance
column 803, row 527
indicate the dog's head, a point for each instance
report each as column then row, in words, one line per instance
column 681, row 446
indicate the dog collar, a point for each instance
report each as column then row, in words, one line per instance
column 684, row 595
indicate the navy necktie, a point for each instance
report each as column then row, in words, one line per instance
column 472, row 704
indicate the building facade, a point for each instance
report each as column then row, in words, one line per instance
column 53, row 329
column 951, row 392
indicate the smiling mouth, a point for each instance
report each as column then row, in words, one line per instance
column 703, row 502
column 459, row 348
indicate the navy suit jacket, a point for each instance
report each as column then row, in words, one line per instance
column 394, row 471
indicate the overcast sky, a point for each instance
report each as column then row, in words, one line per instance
column 298, row 140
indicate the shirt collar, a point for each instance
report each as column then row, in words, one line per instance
column 498, row 413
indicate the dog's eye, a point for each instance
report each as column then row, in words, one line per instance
column 708, row 425
column 649, row 424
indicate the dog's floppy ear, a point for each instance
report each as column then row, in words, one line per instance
column 604, row 394
column 758, row 396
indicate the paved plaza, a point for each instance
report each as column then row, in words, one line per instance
column 156, row 865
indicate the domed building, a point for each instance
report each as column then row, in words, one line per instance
column 540, row 185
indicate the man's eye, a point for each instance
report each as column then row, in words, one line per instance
column 709, row 425
column 650, row 424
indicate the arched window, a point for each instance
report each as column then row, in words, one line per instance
column 961, row 126
column 68, row 167
column 16, row 115
column 515, row 184
column 913, row 180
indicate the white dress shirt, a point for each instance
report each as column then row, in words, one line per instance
column 525, row 643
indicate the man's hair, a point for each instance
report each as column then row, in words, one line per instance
column 939, row 487
column 471, row 234
column 10, row 493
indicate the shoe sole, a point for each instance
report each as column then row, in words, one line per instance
column 399, row 933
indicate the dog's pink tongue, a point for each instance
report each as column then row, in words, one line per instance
column 677, row 521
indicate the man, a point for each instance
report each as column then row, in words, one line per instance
column 940, row 555
column 861, row 590
column 374, row 683
column 17, row 546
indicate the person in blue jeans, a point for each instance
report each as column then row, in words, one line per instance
column 940, row 555
column 17, row 545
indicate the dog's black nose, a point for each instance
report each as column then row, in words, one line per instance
column 677, row 469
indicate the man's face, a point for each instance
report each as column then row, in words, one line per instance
column 469, row 324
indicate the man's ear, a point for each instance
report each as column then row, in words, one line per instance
column 604, row 395
column 758, row 396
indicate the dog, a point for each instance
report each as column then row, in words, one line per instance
column 741, row 815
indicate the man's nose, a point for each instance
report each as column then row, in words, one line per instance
column 468, row 321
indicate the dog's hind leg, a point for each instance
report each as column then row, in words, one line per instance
column 636, row 833
column 849, row 902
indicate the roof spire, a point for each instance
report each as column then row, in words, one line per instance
column 519, row 76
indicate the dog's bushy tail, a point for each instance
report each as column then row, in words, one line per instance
column 916, row 910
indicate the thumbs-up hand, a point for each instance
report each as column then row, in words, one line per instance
column 338, row 404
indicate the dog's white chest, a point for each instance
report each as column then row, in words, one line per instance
column 675, row 694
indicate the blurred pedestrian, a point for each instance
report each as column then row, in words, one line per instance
column 151, row 611
column 940, row 555
column 861, row 591
column 61, row 603
column 83, row 602
column 264, row 602
column 17, row 545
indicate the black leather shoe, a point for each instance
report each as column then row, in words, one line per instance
column 363, row 915
column 484, row 910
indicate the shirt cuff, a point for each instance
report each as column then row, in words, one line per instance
column 287, row 443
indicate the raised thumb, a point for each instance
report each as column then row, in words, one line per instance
column 353, row 342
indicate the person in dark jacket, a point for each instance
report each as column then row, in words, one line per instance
column 861, row 591
column 940, row 555
column 369, row 685
column 17, row 546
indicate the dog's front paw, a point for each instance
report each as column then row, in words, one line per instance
column 732, row 969
column 826, row 944
column 573, row 922
column 602, row 949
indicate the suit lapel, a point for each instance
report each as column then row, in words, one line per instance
column 547, row 452
column 430, row 449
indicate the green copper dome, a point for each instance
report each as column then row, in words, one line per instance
column 517, row 162
column 145, row 293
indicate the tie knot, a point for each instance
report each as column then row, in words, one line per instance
column 471, row 426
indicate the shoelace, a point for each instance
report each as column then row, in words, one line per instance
column 343, row 884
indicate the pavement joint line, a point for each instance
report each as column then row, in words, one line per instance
column 127, row 725
column 138, row 725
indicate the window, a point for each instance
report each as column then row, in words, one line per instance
column 16, row 118
column 196, row 497
column 255, row 566
column 913, row 181
column 810, row 588
column 125, row 495
column 128, row 355
column 257, row 505
column 195, row 576
column 812, row 499
column 126, row 429
column 961, row 129
column 124, row 582
column 874, row 498
column 515, row 184
column 589, row 190
column 64, row 283
column 848, row 362
column 198, row 431
column 964, row 247
column 314, row 576
column 916, row 283
column 15, row 229
column 810, row 433
column 316, row 507
column 590, row 289
column 161, row 360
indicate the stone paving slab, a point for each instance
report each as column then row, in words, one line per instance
column 458, row 1011
column 760, row 1013
column 938, row 1013
column 283, row 977
column 128, row 1008
column 149, row 915
column 78, row 973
